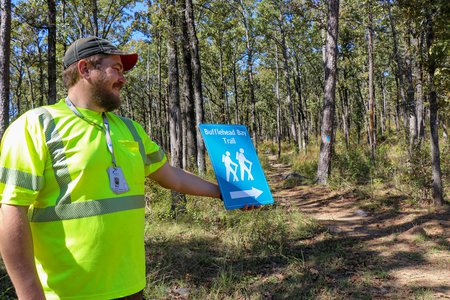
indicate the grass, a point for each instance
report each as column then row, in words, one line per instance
column 215, row 254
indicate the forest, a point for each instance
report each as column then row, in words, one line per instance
column 349, row 95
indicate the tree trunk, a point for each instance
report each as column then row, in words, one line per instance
column 18, row 89
column 95, row 17
column 327, row 128
column 223, row 84
column 287, row 78
column 190, row 144
column 250, row 80
column 410, row 96
column 148, row 120
column 235, row 86
column 383, row 111
column 303, row 131
column 418, row 70
column 178, row 200
column 444, row 131
column 438, row 190
column 161, row 101
column 41, row 74
column 277, row 95
column 5, row 54
column 399, row 71
column 31, row 88
column 345, row 112
column 51, row 51
column 372, row 130
column 197, row 77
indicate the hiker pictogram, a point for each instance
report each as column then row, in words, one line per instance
column 230, row 166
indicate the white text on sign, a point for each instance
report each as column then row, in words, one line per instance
column 215, row 131
column 229, row 141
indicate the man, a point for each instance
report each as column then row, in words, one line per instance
column 72, row 186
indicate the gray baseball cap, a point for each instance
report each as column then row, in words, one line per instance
column 86, row 47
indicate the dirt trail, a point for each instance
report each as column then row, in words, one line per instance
column 410, row 245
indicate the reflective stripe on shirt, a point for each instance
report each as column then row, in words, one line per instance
column 148, row 159
column 136, row 136
column 57, row 155
column 154, row 157
column 85, row 209
column 22, row 179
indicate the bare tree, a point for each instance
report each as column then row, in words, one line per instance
column 327, row 128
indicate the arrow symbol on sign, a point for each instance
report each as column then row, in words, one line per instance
column 254, row 192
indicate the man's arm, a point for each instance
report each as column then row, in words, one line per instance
column 16, row 248
column 184, row 182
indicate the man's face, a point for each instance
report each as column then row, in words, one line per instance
column 107, row 81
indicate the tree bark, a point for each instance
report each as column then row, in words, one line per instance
column 235, row 87
column 178, row 200
column 250, row 79
column 41, row 73
column 399, row 71
column 418, row 70
column 148, row 120
column 437, row 189
column 383, row 111
column 95, row 17
column 287, row 78
column 372, row 130
column 190, row 144
column 197, row 77
column 51, row 51
column 327, row 128
column 277, row 95
column 302, row 126
column 411, row 106
column 5, row 54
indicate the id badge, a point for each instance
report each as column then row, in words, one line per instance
column 117, row 181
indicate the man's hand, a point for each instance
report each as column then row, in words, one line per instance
column 250, row 207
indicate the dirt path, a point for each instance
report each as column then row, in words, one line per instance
column 407, row 248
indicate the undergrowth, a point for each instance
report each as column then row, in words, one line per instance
column 218, row 254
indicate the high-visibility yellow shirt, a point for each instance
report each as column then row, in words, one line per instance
column 88, row 241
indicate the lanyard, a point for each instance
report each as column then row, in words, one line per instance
column 106, row 129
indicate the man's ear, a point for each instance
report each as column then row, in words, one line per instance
column 83, row 68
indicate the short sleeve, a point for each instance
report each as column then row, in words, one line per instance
column 22, row 161
column 155, row 157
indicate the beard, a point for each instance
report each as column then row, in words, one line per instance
column 104, row 97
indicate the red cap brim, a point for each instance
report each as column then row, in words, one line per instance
column 128, row 61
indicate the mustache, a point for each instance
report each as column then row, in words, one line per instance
column 118, row 85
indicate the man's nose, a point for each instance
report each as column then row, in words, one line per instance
column 122, row 79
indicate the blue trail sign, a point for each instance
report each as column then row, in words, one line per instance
column 236, row 165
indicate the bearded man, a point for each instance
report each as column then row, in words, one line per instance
column 72, row 186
